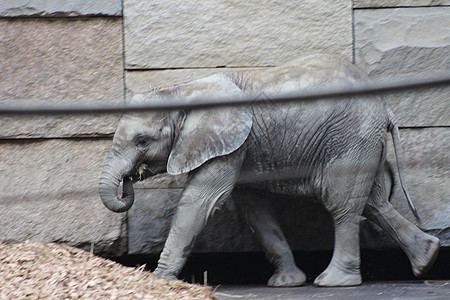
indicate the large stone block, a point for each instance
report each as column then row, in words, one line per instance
column 142, row 82
column 180, row 34
column 49, row 193
column 398, row 3
column 150, row 217
column 78, row 60
column 427, row 174
column 407, row 41
column 310, row 228
column 57, row 8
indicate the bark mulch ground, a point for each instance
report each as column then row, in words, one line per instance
column 32, row 270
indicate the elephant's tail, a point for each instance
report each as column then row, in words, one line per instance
column 393, row 179
column 393, row 128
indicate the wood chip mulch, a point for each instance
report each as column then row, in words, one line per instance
column 32, row 270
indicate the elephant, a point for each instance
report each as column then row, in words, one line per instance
column 332, row 150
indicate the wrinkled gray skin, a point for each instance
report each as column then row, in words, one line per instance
column 333, row 150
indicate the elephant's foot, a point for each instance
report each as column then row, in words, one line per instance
column 425, row 255
column 334, row 276
column 287, row 278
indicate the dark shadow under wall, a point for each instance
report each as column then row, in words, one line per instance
column 253, row 268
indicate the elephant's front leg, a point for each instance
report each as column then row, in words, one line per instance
column 206, row 190
column 255, row 207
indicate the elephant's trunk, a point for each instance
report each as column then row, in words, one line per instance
column 108, row 188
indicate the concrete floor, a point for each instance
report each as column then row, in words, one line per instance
column 427, row 289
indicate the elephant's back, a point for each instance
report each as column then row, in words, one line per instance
column 298, row 140
column 298, row 75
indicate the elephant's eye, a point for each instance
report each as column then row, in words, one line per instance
column 142, row 140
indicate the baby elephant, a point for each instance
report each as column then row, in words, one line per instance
column 333, row 150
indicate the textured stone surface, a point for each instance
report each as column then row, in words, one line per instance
column 397, row 3
column 141, row 82
column 427, row 176
column 57, row 8
column 60, row 60
column 177, row 34
column 149, row 222
column 149, row 219
column 50, row 194
column 306, row 224
column 163, row 181
column 407, row 41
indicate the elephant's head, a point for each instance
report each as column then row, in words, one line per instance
column 176, row 142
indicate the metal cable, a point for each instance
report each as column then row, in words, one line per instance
column 362, row 88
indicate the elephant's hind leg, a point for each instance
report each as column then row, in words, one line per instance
column 343, row 269
column 421, row 248
column 344, row 195
column 255, row 208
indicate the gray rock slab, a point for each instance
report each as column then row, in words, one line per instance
column 142, row 82
column 405, row 42
column 398, row 3
column 57, row 8
column 150, row 217
column 163, row 181
column 427, row 175
column 167, row 34
column 50, row 194
column 306, row 224
column 60, row 60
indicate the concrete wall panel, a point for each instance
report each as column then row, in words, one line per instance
column 77, row 60
column 49, row 193
column 184, row 34
column 404, row 42
column 57, row 8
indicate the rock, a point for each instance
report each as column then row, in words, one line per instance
column 56, row 8
column 142, row 82
column 50, row 194
column 396, row 42
column 78, row 60
column 164, row 34
column 427, row 175
column 150, row 217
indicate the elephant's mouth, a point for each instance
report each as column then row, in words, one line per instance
column 141, row 172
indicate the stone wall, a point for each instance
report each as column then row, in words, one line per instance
column 49, row 166
column 399, row 38
column 103, row 51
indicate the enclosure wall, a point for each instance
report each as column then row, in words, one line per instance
column 107, row 51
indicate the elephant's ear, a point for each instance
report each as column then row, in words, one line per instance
column 209, row 133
